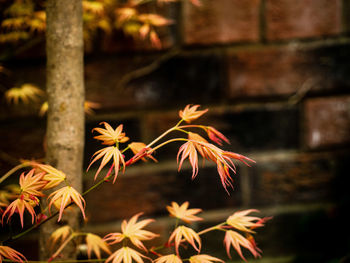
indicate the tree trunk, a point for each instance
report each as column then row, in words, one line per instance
column 65, row 89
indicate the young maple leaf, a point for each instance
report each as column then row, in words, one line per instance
column 154, row 20
column 139, row 148
column 225, row 164
column 10, row 253
column 144, row 30
column 109, row 136
column 155, row 40
column 66, row 195
column 216, row 136
column 183, row 232
column 241, row 221
column 133, row 231
column 126, row 255
column 95, row 243
column 224, row 172
column 237, row 240
column 44, row 108
column 14, row 23
column 231, row 155
column 181, row 212
column 108, row 153
column 168, row 259
column 94, row 7
column 210, row 152
column 25, row 93
column 223, row 159
column 32, row 184
column 203, row 151
column 61, row 234
column 204, row 259
column 19, row 205
column 124, row 14
column 53, row 176
column 89, row 107
column 188, row 150
column 38, row 22
column 191, row 113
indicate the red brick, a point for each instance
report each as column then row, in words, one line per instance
column 296, row 179
column 282, row 71
column 287, row 19
column 327, row 121
column 260, row 73
column 268, row 128
column 346, row 16
column 221, row 21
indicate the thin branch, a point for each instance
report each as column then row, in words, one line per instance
column 25, row 47
column 58, row 251
column 147, row 69
column 8, row 158
column 14, row 169
column 302, row 91
column 163, row 134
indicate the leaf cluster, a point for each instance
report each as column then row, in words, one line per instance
column 23, row 20
column 24, row 198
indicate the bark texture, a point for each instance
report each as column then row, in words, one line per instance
column 65, row 89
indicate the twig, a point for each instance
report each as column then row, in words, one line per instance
column 147, row 69
column 21, row 49
column 301, row 93
column 8, row 158
column 14, row 169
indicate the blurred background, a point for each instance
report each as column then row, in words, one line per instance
column 275, row 75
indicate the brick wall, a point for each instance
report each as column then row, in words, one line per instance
column 275, row 75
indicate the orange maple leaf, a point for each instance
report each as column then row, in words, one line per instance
column 237, row 240
column 61, row 234
column 183, row 232
column 133, row 231
column 191, row 113
column 109, row 136
column 19, row 205
column 181, row 212
column 32, row 183
column 66, row 195
column 108, row 153
column 204, row 259
column 126, row 255
column 10, row 253
column 168, row 259
column 95, row 243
